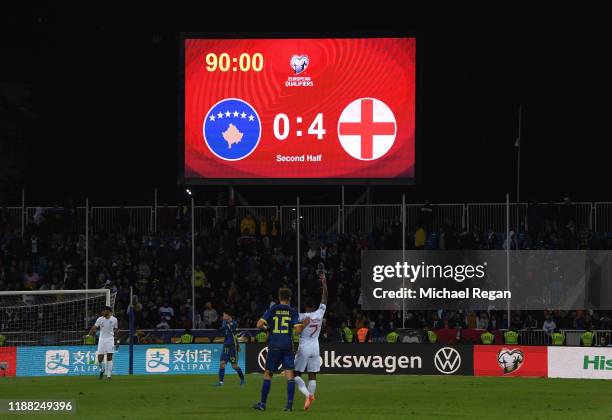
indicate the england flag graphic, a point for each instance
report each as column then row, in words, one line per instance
column 367, row 129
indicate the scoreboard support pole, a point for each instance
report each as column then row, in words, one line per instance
column 508, row 246
column 299, row 280
column 403, row 256
column 86, row 258
column 193, row 312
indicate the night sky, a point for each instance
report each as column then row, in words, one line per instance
column 102, row 118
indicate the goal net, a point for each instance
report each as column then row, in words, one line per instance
column 50, row 317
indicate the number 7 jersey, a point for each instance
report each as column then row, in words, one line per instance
column 310, row 333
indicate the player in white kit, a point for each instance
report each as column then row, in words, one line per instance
column 108, row 326
column 308, row 358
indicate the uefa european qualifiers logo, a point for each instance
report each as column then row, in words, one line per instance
column 299, row 63
column 232, row 129
column 510, row 360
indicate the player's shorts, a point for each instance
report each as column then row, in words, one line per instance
column 307, row 358
column 229, row 354
column 278, row 357
column 106, row 346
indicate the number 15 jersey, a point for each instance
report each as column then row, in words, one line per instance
column 280, row 320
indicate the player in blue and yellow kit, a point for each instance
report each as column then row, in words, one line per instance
column 281, row 320
column 230, row 347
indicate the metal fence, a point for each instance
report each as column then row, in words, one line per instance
column 349, row 219
column 365, row 218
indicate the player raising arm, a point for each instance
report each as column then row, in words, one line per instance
column 281, row 320
column 307, row 358
column 108, row 326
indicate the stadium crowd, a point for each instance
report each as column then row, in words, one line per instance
column 240, row 264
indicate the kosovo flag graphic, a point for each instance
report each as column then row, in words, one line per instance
column 232, row 129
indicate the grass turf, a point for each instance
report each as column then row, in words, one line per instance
column 338, row 397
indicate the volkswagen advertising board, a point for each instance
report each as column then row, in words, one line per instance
column 414, row 359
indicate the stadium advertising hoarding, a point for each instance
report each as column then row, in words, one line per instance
column 182, row 359
column 384, row 359
column 300, row 110
column 8, row 361
column 580, row 362
column 148, row 359
column 65, row 361
column 509, row 360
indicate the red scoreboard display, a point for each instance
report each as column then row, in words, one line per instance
column 302, row 110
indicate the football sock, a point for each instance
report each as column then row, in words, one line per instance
column 109, row 368
column 240, row 373
column 265, row 389
column 302, row 386
column 312, row 386
column 221, row 374
column 290, row 392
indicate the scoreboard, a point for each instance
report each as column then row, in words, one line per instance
column 301, row 110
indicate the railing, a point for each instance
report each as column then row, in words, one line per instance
column 316, row 219
column 528, row 337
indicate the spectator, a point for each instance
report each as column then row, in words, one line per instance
column 163, row 324
column 530, row 322
column 275, row 230
column 533, row 218
column 247, row 225
column 31, row 279
column 339, row 308
column 549, row 325
column 483, row 321
column 419, row 238
column 263, row 226
column 166, row 311
column 200, row 277
column 210, row 316
column 584, row 237
column 426, row 216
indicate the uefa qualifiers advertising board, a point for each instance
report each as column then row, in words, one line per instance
column 510, row 360
column 580, row 362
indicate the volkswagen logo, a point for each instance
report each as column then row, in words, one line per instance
column 261, row 358
column 447, row 360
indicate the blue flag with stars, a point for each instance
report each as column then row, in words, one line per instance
column 232, row 129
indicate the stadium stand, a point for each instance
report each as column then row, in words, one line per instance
column 241, row 263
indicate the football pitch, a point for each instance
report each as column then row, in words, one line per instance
column 338, row 397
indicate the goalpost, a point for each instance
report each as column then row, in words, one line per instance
column 50, row 317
